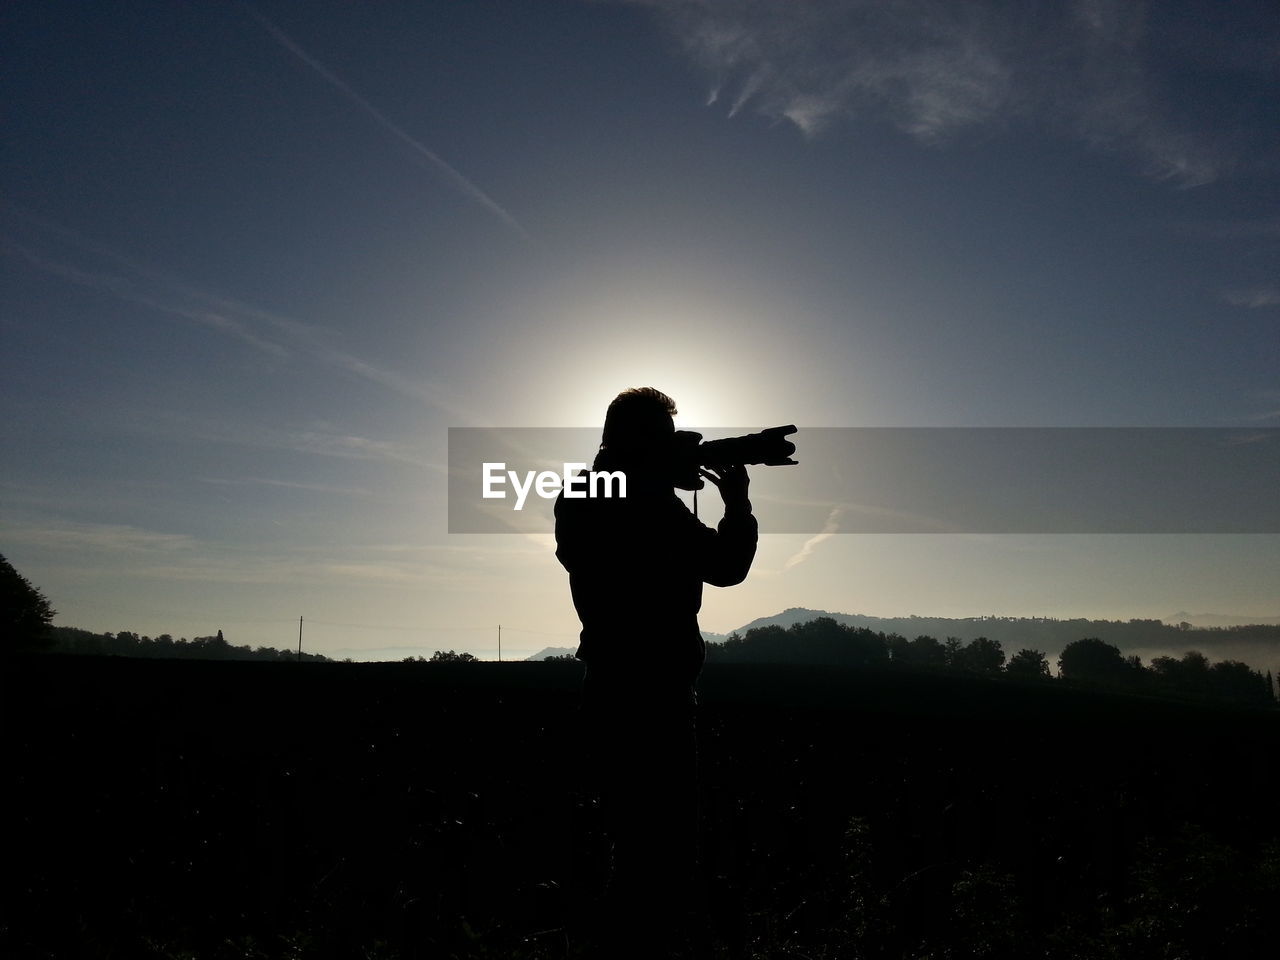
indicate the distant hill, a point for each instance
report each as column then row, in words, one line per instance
column 1218, row 619
column 553, row 652
column 792, row 616
column 1255, row 644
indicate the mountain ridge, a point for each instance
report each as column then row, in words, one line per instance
column 546, row 652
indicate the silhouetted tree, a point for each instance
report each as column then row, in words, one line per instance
column 1093, row 660
column 898, row 648
column 213, row 648
column 980, row 655
column 951, row 648
column 825, row 641
column 822, row 640
column 25, row 614
column 441, row 656
column 1233, row 680
column 727, row 650
column 928, row 652
column 1028, row 664
column 921, row 652
column 72, row 640
column 1189, row 675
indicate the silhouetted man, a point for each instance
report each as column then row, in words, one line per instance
column 636, row 569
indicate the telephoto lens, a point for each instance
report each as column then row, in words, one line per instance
column 770, row 448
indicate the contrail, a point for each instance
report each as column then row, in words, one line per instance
column 829, row 530
column 144, row 285
column 452, row 176
column 127, row 290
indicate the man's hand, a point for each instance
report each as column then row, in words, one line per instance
column 732, row 482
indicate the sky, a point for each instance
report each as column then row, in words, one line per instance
column 257, row 259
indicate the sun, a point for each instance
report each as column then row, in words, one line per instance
column 696, row 406
column 681, row 359
column 713, row 354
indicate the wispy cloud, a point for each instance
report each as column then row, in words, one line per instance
column 68, row 255
column 285, row 484
column 95, row 537
column 1241, row 439
column 861, row 514
column 815, row 63
column 1091, row 70
column 433, row 160
column 352, row 447
column 137, row 553
column 130, row 290
column 213, row 567
column 1253, row 297
column 319, row 441
column 1261, row 228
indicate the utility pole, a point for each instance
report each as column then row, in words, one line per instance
column 299, row 639
column 499, row 643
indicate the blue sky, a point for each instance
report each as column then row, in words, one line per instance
column 258, row 259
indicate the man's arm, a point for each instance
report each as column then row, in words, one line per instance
column 728, row 552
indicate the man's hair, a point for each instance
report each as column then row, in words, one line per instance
column 638, row 418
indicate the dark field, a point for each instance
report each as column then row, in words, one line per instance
column 225, row 809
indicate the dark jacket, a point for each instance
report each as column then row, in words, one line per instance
column 636, row 568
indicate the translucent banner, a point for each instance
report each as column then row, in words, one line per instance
column 915, row 480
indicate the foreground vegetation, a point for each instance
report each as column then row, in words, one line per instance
column 226, row 809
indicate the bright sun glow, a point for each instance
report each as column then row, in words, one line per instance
column 698, row 355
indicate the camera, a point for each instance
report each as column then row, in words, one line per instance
column 769, row 448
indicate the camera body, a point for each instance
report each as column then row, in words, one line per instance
column 769, row 448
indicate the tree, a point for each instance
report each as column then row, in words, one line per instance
column 824, row 640
column 25, row 614
column 1187, row 675
column 1092, row 660
column 899, row 649
column 1233, row 680
column 921, row 652
column 1028, row 664
column 450, row 657
column 980, row 655
column 951, row 648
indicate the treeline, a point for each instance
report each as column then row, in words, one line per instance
column 1047, row 633
column 443, row 656
column 129, row 644
column 1088, row 661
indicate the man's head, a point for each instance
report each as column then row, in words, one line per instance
column 638, row 425
column 640, row 436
